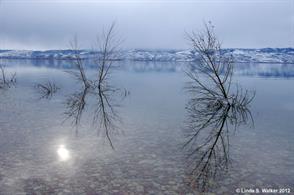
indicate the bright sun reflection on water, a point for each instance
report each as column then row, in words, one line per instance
column 63, row 153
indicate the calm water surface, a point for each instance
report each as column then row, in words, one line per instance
column 41, row 152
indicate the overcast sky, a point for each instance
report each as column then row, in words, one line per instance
column 50, row 24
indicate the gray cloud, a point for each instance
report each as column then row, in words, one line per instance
column 145, row 24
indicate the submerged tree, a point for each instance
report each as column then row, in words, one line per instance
column 98, row 88
column 107, row 45
column 213, row 108
column 105, row 113
column 46, row 90
column 76, row 102
column 79, row 64
column 212, row 74
column 5, row 80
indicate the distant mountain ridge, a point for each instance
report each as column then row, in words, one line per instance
column 263, row 55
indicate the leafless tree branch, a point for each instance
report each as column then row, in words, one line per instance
column 5, row 81
column 213, row 108
column 104, row 93
column 47, row 89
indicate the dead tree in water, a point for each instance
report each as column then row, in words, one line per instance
column 76, row 102
column 107, row 45
column 212, row 75
column 6, row 82
column 213, row 107
column 99, row 88
column 47, row 89
column 78, row 64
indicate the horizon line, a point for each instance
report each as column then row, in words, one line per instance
column 145, row 49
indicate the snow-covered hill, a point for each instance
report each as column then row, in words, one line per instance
column 267, row 55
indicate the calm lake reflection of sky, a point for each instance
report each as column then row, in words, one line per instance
column 42, row 152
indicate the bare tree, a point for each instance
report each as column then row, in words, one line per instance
column 76, row 102
column 100, row 87
column 78, row 63
column 212, row 75
column 5, row 81
column 47, row 89
column 213, row 108
column 107, row 44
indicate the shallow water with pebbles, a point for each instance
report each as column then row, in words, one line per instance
column 42, row 153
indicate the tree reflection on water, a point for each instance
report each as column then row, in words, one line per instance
column 105, row 95
column 215, row 107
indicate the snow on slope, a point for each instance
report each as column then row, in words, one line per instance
column 267, row 55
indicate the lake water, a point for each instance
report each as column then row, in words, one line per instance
column 41, row 152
